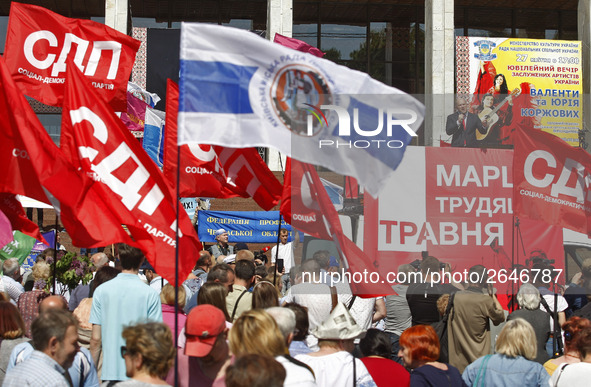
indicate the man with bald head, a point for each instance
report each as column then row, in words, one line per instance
column 52, row 302
column 81, row 372
column 462, row 125
column 82, row 291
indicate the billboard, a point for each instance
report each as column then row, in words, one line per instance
column 456, row 205
column 516, row 83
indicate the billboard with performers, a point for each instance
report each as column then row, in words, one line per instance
column 504, row 85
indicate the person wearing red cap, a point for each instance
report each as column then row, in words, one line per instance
column 206, row 354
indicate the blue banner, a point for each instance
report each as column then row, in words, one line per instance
column 38, row 247
column 242, row 226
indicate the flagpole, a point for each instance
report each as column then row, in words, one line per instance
column 513, row 263
column 176, row 266
column 54, row 264
column 278, row 230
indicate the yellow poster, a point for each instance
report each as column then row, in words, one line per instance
column 516, row 83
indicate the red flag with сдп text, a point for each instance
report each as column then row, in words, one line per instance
column 126, row 175
column 33, row 166
column 39, row 43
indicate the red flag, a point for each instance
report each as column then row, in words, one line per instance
column 313, row 213
column 351, row 188
column 39, row 42
column 297, row 45
column 215, row 171
column 15, row 213
column 298, row 205
column 551, row 180
column 35, row 167
column 125, row 174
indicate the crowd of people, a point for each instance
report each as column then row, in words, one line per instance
column 238, row 320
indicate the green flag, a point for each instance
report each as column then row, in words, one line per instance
column 19, row 248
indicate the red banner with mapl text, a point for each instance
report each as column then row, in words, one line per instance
column 39, row 42
column 552, row 181
column 456, row 204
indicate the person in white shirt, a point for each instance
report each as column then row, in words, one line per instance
column 284, row 251
column 11, row 279
column 155, row 281
column 333, row 364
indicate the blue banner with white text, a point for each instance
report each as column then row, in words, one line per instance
column 242, row 226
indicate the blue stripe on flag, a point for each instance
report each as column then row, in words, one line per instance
column 215, row 87
column 368, row 120
column 153, row 143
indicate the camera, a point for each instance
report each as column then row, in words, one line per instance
column 260, row 255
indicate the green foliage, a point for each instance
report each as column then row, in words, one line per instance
column 70, row 270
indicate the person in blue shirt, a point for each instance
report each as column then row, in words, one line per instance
column 120, row 302
column 512, row 364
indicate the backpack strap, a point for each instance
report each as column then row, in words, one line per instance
column 354, row 371
column 236, row 304
column 351, row 302
column 482, row 371
column 334, row 297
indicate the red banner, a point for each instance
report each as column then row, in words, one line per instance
column 215, row 171
column 307, row 207
column 39, row 42
column 299, row 205
column 456, row 204
column 15, row 213
column 33, row 166
column 126, row 175
column 552, row 180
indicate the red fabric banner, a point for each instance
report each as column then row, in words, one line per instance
column 215, row 171
column 298, row 45
column 124, row 173
column 39, row 42
column 15, row 213
column 307, row 207
column 35, row 167
column 298, row 203
column 551, row 180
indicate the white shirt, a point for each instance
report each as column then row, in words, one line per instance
column 285, row 253
column 571, row 375
column 314, row 296
column 562, row 306
column 337, row 370
column 157, row 283
column 296, row 375
column 12, row 288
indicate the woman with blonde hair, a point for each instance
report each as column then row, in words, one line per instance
column 28, row 302
column 148, row 353
column 256, row 332
column 512, row 364
column 167, row 297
